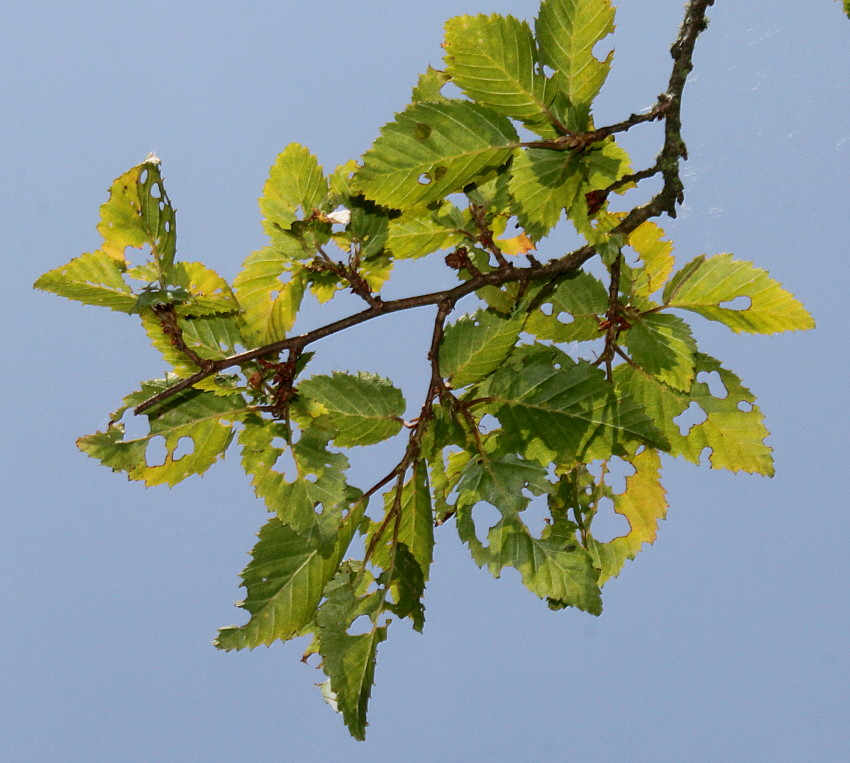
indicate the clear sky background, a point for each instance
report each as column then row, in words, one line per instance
column 727, row 640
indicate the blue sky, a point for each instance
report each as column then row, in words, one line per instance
column 725, row 641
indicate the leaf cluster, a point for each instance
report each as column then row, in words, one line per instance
column 557, row 383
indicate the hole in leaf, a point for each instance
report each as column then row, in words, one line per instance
column 565, row 318
column 607, row 524
column 692, row 416
column 156, row 452
column 425, row 178
column 548, row 71
column 536, row 515
column 546, row 308
column 135, row 427
column 739, row 303
column 714, row 382
column 745, row 406
column 167, row 226
column 484, row 516
column 360, row 626
column 143, row 177
column 185, row 447
column 156, row 191
column 311, row 477
column 488, row 423
column 286, row 465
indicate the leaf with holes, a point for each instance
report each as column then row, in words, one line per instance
column 706, row 283
column 311, row 500
column 542, row 397
column 554, row 566
column 433, row 149
column 202, row 417
column 643, row 504
column 270, row 294
column 284, row 580
column 138, row 213
column 567, row 31
column 493, row 60
column 361, row 408
column 93, row 279
column 349, row 660
column 476, row 345
column 573, row 310
column 733, row 428
column 663, row 346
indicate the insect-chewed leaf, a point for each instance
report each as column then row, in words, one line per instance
column 361, row 408
column 492, row 59
column 554, row 567
column 296, row 186
column 706, row 283
column 733, row 427
column 476, row 345
column 432, row 149
column 311, row 501
column 270, row 294
column 201, row 417
column 430, row 85
column 567, row 31
column 349, row 661
column 643, row 504
column 572, row 311
column 284, row 580
column 663, row 346
column 542, row 397
column 656, row 256
column 93, row 279
column 138, row 213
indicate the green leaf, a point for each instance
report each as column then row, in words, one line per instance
column 296, row 186
column 706, row 283
column 137, row 213
column 476, row 345
column 201, row 417
column 643, row 505
column 733, row 428
column 554, row 567
column 430, row 85
column 572, row 311
column 567, row 31
column 433, row 149
column 420, row 231
column 310, row 500
column 93, row 279
column 209, row 293
column 542, row 397
column 664, row 347
column 284, row 579
column 349, row 661
column 361, row 408
column 543, row 184
column 270, row 295
column 492, row 59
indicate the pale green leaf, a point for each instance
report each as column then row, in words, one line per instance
column 663, row 346
column 433, row 149
column 567, row 31
column 733, row 429
column 93, row 279
column 296, row 186
column 284, row 580
column 270, row 295
column 492, row 59
column 656, row 256
column 643, row 504
column 476, row 345
column 705, row 284
column 430, row 85
column 202, row 419
column 420, row 231
column 361, row 408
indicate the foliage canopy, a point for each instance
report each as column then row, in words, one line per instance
column 557, row 380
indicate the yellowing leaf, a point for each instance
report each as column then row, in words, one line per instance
column 520, row 244
column 706, row 284
column 93, row 279
column 656, row 256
